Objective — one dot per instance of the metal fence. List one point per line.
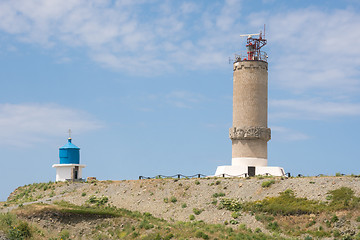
(199, 175)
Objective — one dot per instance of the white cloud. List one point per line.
(314, 109)
(310, 49)
(122, 34)
(188, 7)
(184, 99)
(286, 134)
(312, 58)
(227, 17)
(313, 47)
(27, 124)
(314, 50)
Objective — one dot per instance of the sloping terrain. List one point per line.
(312, 207)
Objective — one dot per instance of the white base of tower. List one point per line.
(244, 167)
(261, 162)
(68, 172)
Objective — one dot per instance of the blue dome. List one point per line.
(69, 153)
(69, 145)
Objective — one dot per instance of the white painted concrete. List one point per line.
(66, 171)
(242, 171)
(249, 161)
(274, 171)
(231, 171)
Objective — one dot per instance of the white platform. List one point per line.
(261, 162)
(240, 168)
(66, 172)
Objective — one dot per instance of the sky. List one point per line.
(146, 86)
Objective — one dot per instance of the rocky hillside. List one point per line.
(233, 202)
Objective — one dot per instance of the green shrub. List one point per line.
(197, 211)
(197, 182)
(166, 200)
(328, 223)
(235, 215)
(234, 222)
(311, 223)
(22, 231)
(7, 219)
(242, 226)
(184, 205)
(83, 194)
(343, 198)
(103, 200)
(64, 234)
(168, 237)
(358, 219)
(135, 234)
(98, 201)
(146, 225)
(215, 195)
(217, 182)
(285, 204)
(334, 219)
(147, 214)
(173, 199)
(267, 184)
(192, 217)
(336, 233)
(264, 218)
(273, 226)
(230, 204)
(92, 199)
(200, 234)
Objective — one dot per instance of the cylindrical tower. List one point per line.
(249, 133)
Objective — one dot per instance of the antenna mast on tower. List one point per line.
(253, 46)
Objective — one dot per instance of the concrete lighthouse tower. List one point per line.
(250, 133)
(69, 168)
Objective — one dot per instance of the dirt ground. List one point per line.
(176, 199)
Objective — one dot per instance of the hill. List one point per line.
(261, 208)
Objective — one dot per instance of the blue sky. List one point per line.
(146, 86)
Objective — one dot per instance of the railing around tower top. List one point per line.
(251, 56)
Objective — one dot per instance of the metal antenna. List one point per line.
(250, 35)
(69, 133)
